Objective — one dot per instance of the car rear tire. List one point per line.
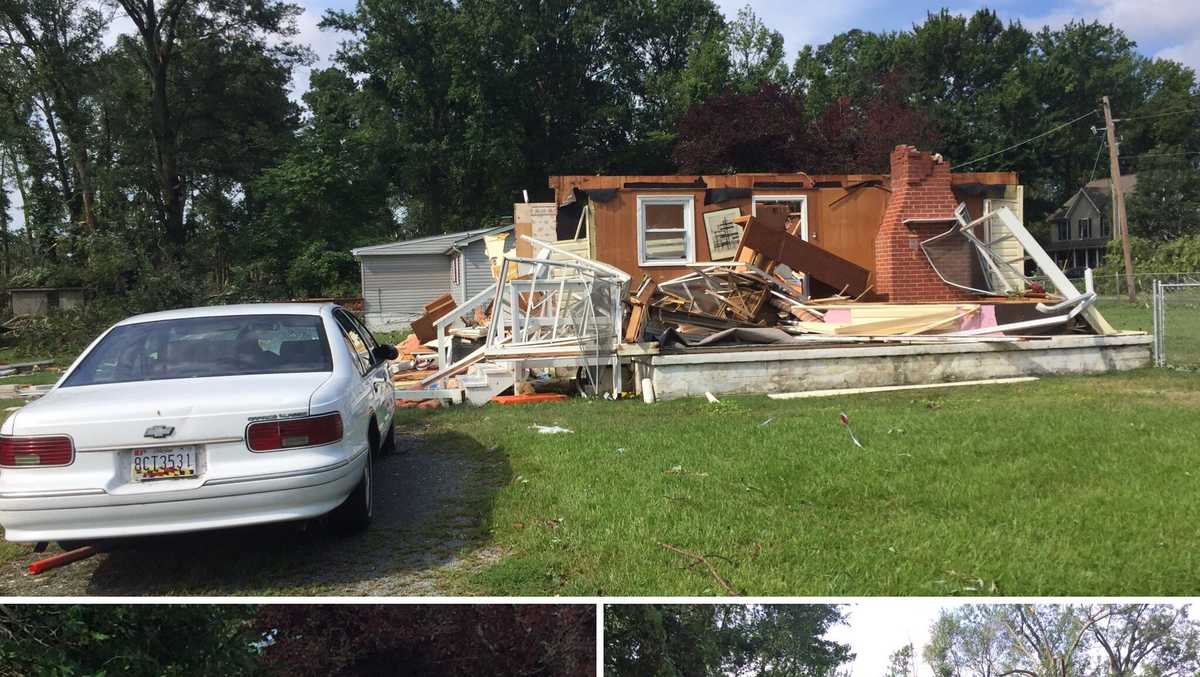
(354, 514)
(388, 446)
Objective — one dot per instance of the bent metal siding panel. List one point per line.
(396, 288)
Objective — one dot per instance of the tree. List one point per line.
(1048, 640)
(152, 639)
(967, 642)
(1165, 205)
(368, 640)
(56, 44)
(1158, 639)
(773, 640)
(756, 53)
(761, 131)
(161, 31)
(901, 663)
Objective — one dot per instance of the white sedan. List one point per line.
(199, 419)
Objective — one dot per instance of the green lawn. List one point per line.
(1183, 323)
(1079, 485)
(1065, 486)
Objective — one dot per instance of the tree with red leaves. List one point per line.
(768, 131)
(760, 131)
(857, 136)
(429, 640)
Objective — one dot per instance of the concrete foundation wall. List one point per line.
(797, 369)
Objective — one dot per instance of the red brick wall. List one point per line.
(920, 190)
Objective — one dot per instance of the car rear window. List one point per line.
(206, 346)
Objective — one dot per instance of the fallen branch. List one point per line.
(700, 559)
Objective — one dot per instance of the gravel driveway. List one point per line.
(432, 503)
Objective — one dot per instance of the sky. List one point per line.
(1162, 28)
(879, 627)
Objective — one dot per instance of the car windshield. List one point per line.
(206, 346)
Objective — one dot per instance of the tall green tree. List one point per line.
(160, 640)
(708, 640)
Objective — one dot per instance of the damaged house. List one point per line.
(767, 283)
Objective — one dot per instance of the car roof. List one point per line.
(227, 311)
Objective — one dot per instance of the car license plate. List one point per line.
(164, 463)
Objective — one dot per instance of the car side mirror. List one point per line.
(385, 352)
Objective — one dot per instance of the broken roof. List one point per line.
(434, 244)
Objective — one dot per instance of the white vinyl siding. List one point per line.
(396, 288)
(474, 273)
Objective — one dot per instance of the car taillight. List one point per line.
(297, 432)
(36, 452)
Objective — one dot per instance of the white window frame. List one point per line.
(767, 198)
(688, 202)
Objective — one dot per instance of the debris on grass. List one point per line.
(846, 424)
(550, 429)
(711, 398)
(678, 470)
(701, 559)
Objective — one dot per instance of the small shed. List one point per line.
(399, 278)
(39, 301)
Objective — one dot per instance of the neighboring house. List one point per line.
(1081, 228)
(399, 278)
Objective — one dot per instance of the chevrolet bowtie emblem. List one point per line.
(160, 431)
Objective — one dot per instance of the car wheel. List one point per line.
(354, 514)
(388, 446)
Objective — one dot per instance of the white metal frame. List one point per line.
(767, 198)
(688, 202)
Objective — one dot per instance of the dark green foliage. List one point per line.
(1166, 203)
(153, 640)
(700, 640)
(436, 114)
(530, 640)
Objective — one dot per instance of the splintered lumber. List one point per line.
(637, 317)
(905, 324)
(456, 368)
(434, 311)
(763, 240)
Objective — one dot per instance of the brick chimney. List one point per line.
(921, 195)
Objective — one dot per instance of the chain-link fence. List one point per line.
(1112, 283)
(1176, 310)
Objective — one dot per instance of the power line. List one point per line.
(1022, 143)
(1158, 115)
(1103, 143)
(1134, 157)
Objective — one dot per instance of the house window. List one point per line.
(1105, 227)
(666, 229)
(795, 204)
(1085, 229)
(1064, 230)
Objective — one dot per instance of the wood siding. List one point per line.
(841, 220)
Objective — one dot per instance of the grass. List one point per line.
(1066, 486)
(1182, 320)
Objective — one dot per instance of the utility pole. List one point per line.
(1114, 166)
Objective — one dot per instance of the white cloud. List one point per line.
(879, 627)
(323, 43)
(1165, 28)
